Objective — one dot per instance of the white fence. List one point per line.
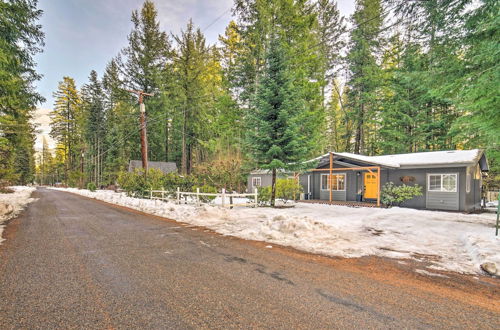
(226, 198)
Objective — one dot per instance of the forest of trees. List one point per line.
(288, 80)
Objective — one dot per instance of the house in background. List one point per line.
(165, 167)
(450, 180)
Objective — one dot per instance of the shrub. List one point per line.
(91, 186)
(264, 195)
(395, 195)
(208, 190)
(288, 189)
(136, 184)
(133, 183)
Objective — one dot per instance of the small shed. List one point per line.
(165, 167)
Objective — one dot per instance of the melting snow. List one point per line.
(17, 200)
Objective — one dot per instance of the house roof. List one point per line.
(418, 159)
(165, 167)
(265, 171)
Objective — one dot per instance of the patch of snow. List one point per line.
(442, 240)
(424, 272)
(492, 204)
(17, 201)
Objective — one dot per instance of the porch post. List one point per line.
(378, 186)
(330, 176)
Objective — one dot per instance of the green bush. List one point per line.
(208, 190)
(286, 190)
(136, 184)
(91, 186)
(264, 195)
(395, 195)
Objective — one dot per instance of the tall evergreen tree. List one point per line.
(275, 139)
(93, 106)
(67, 124)
(144, 65)
(190, 65)
(364, 69)
(21, 38)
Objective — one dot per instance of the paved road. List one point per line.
(72, 262)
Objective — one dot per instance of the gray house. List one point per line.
(165, 167)
(451, 180)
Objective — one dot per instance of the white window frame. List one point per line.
(328, 181)
(254, 179)
(441, 188)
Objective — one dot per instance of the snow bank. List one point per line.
(440, 240)
(16, 202)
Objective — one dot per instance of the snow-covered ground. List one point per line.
(441, 240)
(14, 202)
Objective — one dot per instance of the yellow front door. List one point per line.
(370, 185)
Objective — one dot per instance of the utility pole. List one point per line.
(144, 137)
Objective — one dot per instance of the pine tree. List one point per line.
(331, 28)
(365, 72)
(477, 85)
(67, 123)
(191, 61)
(121, 124)
(93, 107)
(274, 136)
(144, 64)
(20, 39)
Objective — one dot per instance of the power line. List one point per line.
(163, 116)
(215, 20)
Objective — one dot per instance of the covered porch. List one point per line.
(338, 180)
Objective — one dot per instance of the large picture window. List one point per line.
(443, 182)
(256, 181)
(338, 182)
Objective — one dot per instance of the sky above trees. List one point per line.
(82, 35)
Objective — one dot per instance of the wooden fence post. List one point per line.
(256, 197)
(151, 194)
(178, 195)
(198, 196)
(223, 197)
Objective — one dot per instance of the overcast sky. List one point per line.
(83, 35)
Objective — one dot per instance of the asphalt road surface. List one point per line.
(73, 262)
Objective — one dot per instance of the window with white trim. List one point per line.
(338, 182)
(442, 182)
(256, 181)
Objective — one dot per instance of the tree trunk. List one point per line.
(273, 188)
(184, 146)
(358, 140)
(166, 139)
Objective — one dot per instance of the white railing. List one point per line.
(226, 198)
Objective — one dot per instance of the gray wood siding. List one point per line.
(336, 195)
(438, 200)
(325, 194)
